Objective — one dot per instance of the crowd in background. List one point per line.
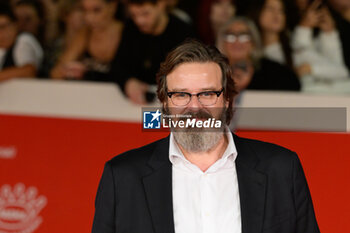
(270, 44)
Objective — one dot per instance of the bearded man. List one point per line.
(200, 180)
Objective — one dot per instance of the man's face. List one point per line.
(146, 16)
(194, 78)
(28, 19)
(8, 32)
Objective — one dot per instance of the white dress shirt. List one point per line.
(323, 53)
(205, 202)
(26, 51)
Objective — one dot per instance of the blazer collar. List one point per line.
(158, 188)
(251, 183)
(252, 187)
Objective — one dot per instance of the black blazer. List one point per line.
(135, 191)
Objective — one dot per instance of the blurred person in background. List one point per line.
(172, 8)
(20, 53)
(317, 46)
(93, 48)
(31, 18)
(212, 14)
(240, 41)
(271, 20)
(148, 36)
(71, 21)
(341, 13)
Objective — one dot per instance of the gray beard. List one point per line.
(199, 140)
(196, 141)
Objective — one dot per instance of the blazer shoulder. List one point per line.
(272, 159)
(266, 152)
(137, 156)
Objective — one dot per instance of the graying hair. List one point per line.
(256, 40)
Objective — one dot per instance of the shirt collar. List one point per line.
(230, 152)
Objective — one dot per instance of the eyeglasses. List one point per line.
(206, 98)
(242, 38)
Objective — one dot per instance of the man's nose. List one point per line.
(194, 103)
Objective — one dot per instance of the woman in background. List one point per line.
(317, 46)
(212, 14)
(20, 53)
(94, 47)
(70, 18)
(240, 41)
(270, 17)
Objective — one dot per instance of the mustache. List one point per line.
(198, 114)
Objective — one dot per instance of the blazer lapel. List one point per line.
(158, 188)
(252, 188)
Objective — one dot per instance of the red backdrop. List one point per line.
(63, 159)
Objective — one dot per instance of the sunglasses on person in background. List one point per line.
(240, 37)
(206, 98)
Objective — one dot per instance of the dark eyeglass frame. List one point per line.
(218, 93)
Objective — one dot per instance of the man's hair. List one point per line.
(140, 2)
(6, 10)
(194, 51)
(38, 6)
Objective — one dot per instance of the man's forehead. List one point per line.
(199, 75)
(196, 69)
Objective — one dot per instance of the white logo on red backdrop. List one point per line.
(8, 152)
(20, 208)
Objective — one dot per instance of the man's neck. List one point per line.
(205, 159)
(162, 24)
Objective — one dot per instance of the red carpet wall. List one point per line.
(50, 169)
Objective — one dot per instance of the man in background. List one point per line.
(147, 38)
(20, 53)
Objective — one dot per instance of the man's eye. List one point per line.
(207, 94)
(180, 95)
